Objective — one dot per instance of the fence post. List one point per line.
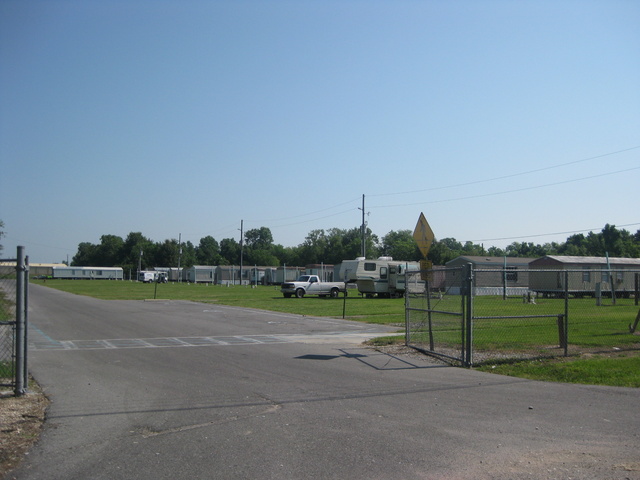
(566, 312)
(468, 321)
(429, 317)
(407, 319)
(26, 323)
(562, 333)
(20, 324)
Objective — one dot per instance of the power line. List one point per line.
(547, 234)
(475, 182)
(304, 214)
(507, 191)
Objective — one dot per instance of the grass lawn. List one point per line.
(619, 370)
(604, 328)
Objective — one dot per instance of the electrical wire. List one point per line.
(512, 175)
(547, 234)
(506, 191)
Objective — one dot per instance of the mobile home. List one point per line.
(288, 274)
(585, 276)
(201, 274)
(322, 270)
(495, 275)
(231, 275)
(87, 273)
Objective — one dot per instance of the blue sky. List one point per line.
(502, 121)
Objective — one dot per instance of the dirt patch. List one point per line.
(21, 421)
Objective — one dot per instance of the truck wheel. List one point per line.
(299, 293)
(287, 295)
(334, 293)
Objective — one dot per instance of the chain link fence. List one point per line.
(14, 281)
(475, 316)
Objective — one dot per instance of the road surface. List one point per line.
(177, 390)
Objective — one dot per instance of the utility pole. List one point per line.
(179, 256)
(363, 231)
(241, 248)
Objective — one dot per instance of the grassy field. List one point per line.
(384, 311)
(604, 328)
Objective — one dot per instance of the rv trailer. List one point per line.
(383, 277)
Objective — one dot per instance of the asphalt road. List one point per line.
(177, 390)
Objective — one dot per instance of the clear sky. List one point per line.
(501, 120)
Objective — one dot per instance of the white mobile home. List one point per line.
(269, 277)
(231, 275)
(288, 274)
(172, 274)
(87, 273)
(201, 274)
(322, 270)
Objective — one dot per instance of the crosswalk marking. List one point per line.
(162, 342)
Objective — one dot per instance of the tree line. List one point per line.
(331, 247)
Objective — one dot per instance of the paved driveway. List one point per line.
(154, 390)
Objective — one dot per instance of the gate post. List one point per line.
(20, 388)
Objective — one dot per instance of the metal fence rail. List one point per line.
(480, 317)
(13, 323)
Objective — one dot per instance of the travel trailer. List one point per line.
(383, 277)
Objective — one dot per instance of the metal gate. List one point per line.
(437, 313)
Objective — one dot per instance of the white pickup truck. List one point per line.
(311, 285)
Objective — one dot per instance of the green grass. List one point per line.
(380, 311)
(604, 328)
(619, 371)
(6, 371)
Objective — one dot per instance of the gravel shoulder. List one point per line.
(21, 422)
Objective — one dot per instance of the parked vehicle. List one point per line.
(389, 280)
(383, 277)
(148, 276)
(311, 285)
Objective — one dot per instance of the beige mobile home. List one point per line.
(494, 275)
(584, 276)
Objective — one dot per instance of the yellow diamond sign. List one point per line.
(423, 235)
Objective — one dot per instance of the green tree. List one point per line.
(444, 250)
(524, 249)
(258, 249)
(259, 239)
(230, 251)
(137, 249)
(85, 256)
(167, 254)
(401, 246)
(187, 254)
(313, 249)
(208, 251)
(109, 252)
